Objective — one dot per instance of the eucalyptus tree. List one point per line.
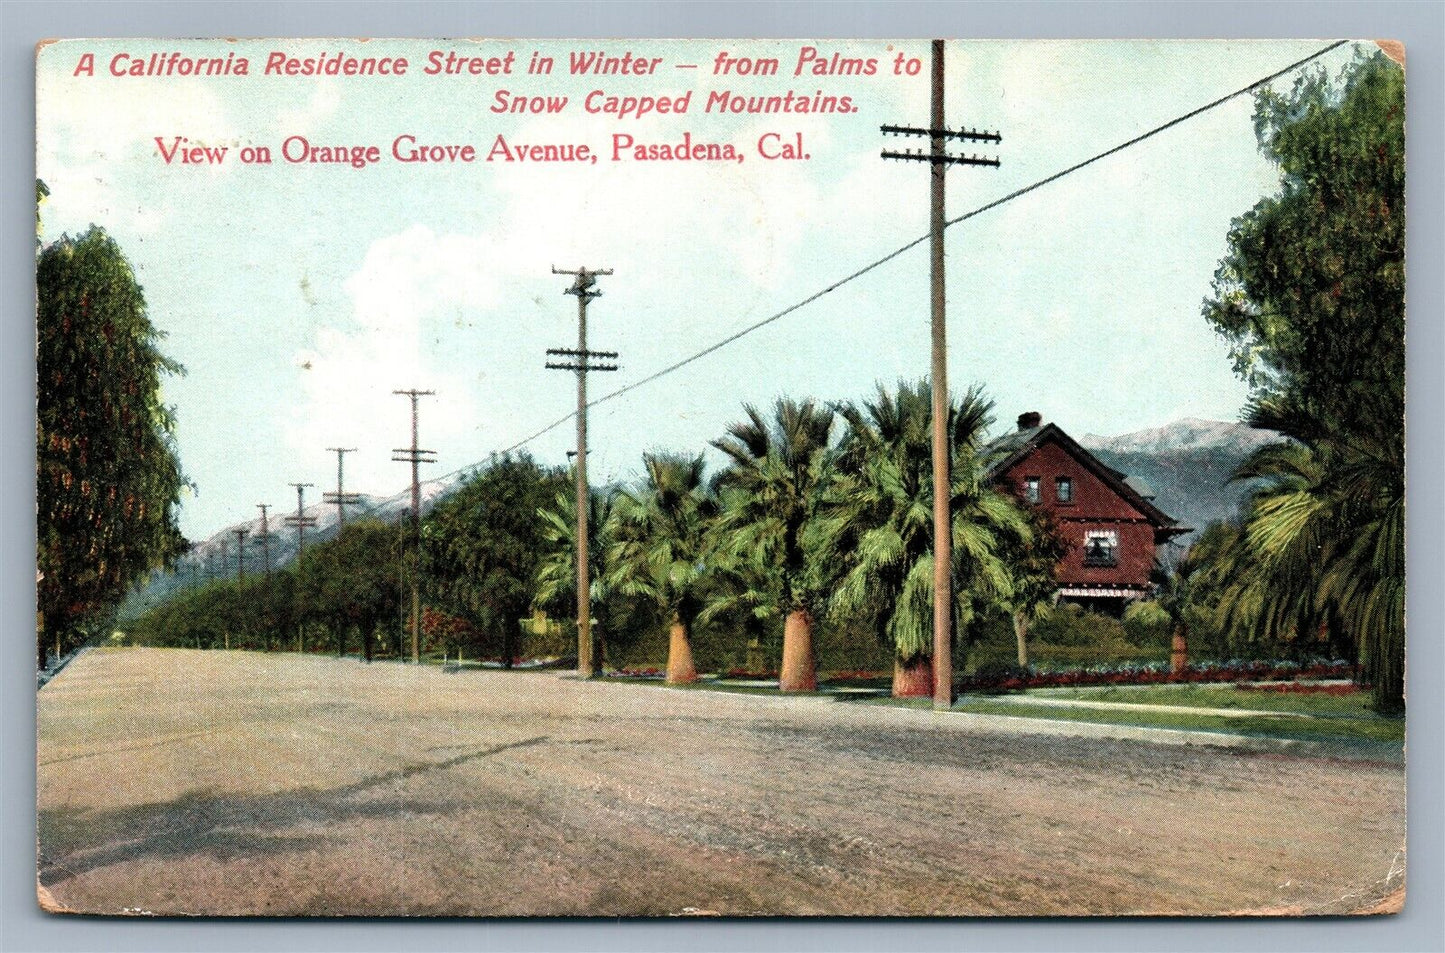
(660, 546)
(772, 492)
(879, 524)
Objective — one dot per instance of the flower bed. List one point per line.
(1011, 677)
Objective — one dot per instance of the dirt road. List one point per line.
(175, 781)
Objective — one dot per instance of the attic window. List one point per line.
(1064, 490)
(1101, 547)
(1031, 489)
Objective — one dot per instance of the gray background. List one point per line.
(1420, 25)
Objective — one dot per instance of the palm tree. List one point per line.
(744, 593)
(1327, 530)
(880, 524)
(556, 579)
(659, 546)
(773, 487)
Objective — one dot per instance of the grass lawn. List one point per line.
(1331, 717)
(1367, 727)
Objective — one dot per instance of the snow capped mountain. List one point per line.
(1191, 433)
(1188, 463)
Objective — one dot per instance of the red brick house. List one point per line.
(1107, 518)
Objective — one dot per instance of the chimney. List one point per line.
(1030, 420)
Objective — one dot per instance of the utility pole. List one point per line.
(300, 521)
(582, 361)
(265, 539)
(341, 498)
(416, 457)
(241, 535)
(939, 159)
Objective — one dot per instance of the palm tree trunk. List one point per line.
(913, 679)
(680, 670)
(1021, 633)
(800, 668)
(1179, 652)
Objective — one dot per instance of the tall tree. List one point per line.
(1311, 298)
(483, 545)
(108, 476)
(660, 548)
(880, 526)
(773, 489)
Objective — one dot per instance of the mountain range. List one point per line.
(1188, 463)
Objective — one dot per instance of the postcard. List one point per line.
(635, 478)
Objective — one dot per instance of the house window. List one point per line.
(1101, 547)
(1064, 490)
(1031, 489)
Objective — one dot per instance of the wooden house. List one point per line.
(1107, 518)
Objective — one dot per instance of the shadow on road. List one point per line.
(229, 825)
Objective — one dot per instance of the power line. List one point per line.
(879, 262)
(875, 264)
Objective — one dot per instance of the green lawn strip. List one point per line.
(1368, 727)
(1371, 728)
(1353, 705)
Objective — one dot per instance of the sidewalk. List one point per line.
(1140, 706)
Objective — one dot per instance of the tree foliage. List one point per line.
(1311, 298)
(107, 473)
(880, 525)
(771, 494)
(345, 586)
(483, 546)
(659, 552)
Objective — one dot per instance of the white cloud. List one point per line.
(407, 286)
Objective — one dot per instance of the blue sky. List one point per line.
(299, 296)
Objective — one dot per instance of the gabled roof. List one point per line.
(1013, 447)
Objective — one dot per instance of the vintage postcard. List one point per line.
(720, 477)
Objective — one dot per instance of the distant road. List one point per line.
(177, 781)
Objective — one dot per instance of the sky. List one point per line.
(298, 296)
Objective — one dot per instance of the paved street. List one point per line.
(175, 781)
